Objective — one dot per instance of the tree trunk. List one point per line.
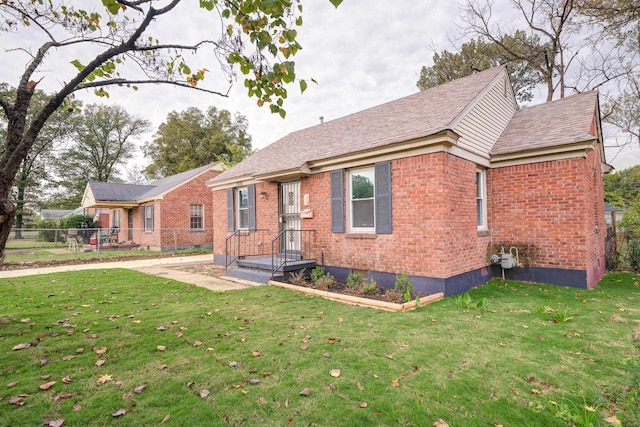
(7, 215)
(19, 212)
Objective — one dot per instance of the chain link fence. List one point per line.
(111, 239)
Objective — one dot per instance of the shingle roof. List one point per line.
(54, 213)
(610, 208)
(415, 116)
(560, 122)
(116, 192)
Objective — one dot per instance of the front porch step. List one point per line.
(264, 264)
(258, 276)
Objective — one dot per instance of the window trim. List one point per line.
(115, 218)
(239, 209)
(145, 226)
(350, 227)
(481, 199)
(199, 215)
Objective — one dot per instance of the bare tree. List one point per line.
(550, 26)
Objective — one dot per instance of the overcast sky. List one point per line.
(362, 54)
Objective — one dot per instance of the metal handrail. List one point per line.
(281, 254)
(242, 243)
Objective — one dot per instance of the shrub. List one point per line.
(298, 278)
(354, 280)
(404, 286)
(324, 283)
(369, 288)
(317, 273)
(47, 231)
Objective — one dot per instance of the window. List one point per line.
(481, 199)
(196, 217)
(147, 217)
(362, 200)
(115, 219)
(368, 200)
(243, 208)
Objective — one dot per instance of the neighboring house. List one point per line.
(171, 213)
(612, 214)
(431, 185)
(54, 214)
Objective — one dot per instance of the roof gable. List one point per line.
(561, 122)
(119, 192)
(416, 116)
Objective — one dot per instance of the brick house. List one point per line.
(172, 213)
(430, 185)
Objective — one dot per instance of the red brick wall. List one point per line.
(172, 213)
(267, 215)
(553, 211)
(434, 221)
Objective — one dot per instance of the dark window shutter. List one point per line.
(383, 198)
(143, 209)
(230, 219)
(337, 201)
(251, 193)
(152, 218)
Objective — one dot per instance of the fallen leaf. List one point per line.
(326, 355)
(161, 348)
(79, 350)
(44, 361)
(335, 373)
(99, 363)
(165, 419)
(47, 386)
(210, 349)
(17, 400)
(305, 392)
(613, 420)
(45, 377)
(332, 340)
(120, 412)
(362, 404)
(395, 382)
(94, 336)
(100, 351)
(67, 380)
(77, 407)
(440, 423)
(57, 422)
(104, 378)
(254, 381)
(68, 357)
(389, 356)
(139, 389)
(535, 391)
(304, 347)
(204, 394)
(197, 343)
(12, 384)
(340, 320)
(256, 353)
(22, 346)
(161, 328)
(161, 367)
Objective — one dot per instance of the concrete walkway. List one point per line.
(153, 266)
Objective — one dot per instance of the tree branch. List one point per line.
(124, 82)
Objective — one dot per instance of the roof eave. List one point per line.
(557, 152)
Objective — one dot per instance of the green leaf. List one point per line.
(112, 6)
(336, 3)
(303, 86)
(77, 64)
(135, 87)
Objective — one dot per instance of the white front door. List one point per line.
(290, 215)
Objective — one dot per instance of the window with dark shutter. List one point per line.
(252, 207)
(337, 201)
(230, 216)
(384, 218)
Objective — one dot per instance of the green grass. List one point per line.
(504, 364)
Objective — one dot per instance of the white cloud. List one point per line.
(362, 54)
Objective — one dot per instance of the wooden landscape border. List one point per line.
(359, 301)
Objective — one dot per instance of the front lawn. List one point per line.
(118, 347)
